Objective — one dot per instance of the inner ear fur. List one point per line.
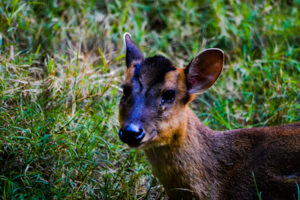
(204, 70)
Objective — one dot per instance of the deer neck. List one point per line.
(187, 165)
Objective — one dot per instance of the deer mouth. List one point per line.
(147, 140)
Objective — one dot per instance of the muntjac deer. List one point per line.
(191, 160)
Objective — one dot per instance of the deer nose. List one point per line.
(132, 134)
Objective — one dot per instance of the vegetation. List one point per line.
(60, 67)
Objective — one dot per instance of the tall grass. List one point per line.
(60, 67)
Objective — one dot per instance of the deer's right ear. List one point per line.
(133, 53)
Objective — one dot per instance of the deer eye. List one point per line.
(168, 96)
(126, 91)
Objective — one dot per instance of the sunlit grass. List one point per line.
(60, 67)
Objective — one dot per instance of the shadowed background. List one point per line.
(61, 64)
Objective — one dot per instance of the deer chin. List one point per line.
(157, 140)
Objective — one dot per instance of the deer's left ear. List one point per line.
(204, 70)
(133, 53)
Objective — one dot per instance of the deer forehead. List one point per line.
(152, 71)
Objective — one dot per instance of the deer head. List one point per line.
(156, 93)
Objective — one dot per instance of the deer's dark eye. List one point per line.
(168, 96)
(126, 91)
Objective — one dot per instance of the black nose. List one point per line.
(132, 134)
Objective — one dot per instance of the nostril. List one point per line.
(121, 134)
(141, 134)
(132, 134)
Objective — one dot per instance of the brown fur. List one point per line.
(220, 165)
(193, 161)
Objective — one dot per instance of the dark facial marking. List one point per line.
(137, 69)
(126, 90)
(158, 66)
(153, 70)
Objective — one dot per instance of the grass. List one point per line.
(298, 189)
(256, 187)
(61, 63)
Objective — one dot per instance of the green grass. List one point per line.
(61, 64)
(256, 187)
